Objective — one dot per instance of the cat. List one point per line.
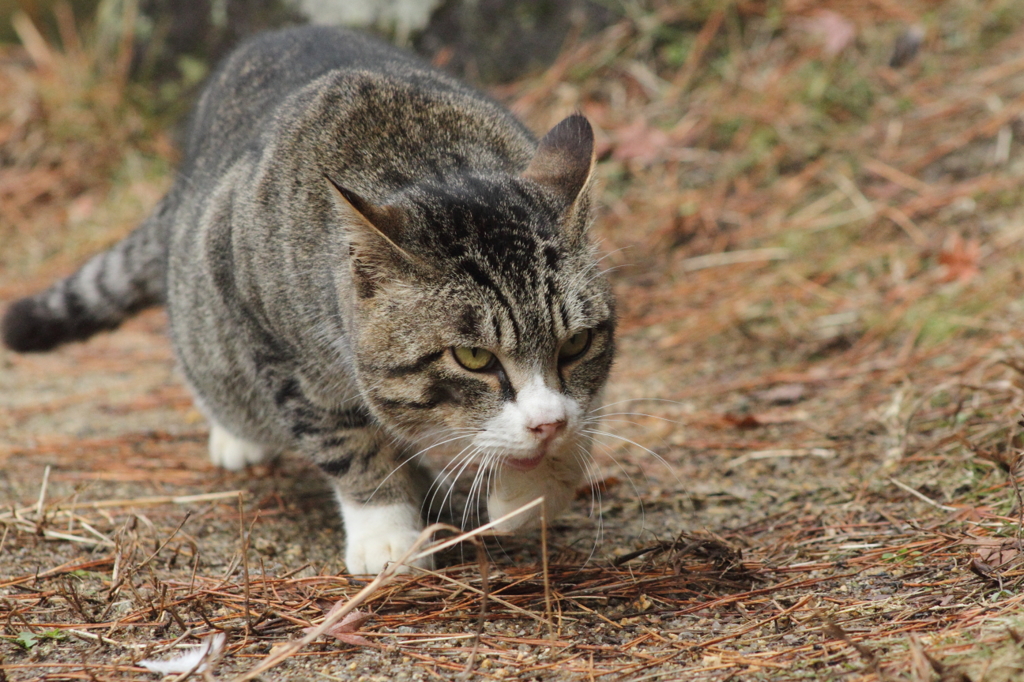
(364, 259)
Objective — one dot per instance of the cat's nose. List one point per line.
(547, 431)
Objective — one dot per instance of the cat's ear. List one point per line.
(565, 159)
(374, 234)
(386, 222)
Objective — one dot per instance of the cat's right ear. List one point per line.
(374, 233)
(384, 222)
(564, 160)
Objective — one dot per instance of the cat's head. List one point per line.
(482, 315)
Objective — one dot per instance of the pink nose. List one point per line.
(547, 431)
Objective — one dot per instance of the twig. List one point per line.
(921, 496)
(243, 541)
(387, 575)
(135, 569)
(716, 260)
(481, 557)
(32, 41)
(139, 502)
(548, 613)
(42, 495)
(831, 629)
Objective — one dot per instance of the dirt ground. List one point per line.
(812, 460)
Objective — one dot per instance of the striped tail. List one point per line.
(110, 287)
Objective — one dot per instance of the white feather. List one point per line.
(210, 647)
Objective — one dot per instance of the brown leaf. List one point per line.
(999, 554)
(744, 422)
(959, 259)
(349, 625)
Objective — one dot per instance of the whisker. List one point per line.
(638, 400)
(598, 418)
(468, 459)
(632, 484)
(443, 476)
(654, 454)
(411, 458)
(473, 498)
(583, 457)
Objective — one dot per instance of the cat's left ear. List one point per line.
(564, 160)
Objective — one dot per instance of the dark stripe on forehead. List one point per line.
(469, 324)
(414, 367)
(551, 300)
(481, 278)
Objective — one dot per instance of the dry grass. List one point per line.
(818, 266)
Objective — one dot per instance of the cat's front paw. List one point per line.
(378, 535)
(233, 453)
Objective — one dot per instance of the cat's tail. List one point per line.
(110, 287)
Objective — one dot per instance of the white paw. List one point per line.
(233, 453)
(555, 481)
(378, 535)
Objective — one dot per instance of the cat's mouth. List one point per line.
(525, 463)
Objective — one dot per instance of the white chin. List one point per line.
(556, 480)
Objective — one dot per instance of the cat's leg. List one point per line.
(380, 500)
(379, 493)
(234, 453)
(556, 479)
(376, 535)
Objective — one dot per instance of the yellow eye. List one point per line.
(474, 359)
(575, 346)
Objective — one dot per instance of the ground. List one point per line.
(812, 463)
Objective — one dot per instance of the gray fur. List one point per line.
(344, 216)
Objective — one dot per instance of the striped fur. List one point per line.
(344, 218)
(110, 287)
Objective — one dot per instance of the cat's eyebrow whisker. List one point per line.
(610, 254)
(594, 267)
(596, 296)
(603, 273)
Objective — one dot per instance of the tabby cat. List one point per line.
(363, 260)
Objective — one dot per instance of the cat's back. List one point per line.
(365, 83)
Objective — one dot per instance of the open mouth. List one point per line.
(524, 464)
